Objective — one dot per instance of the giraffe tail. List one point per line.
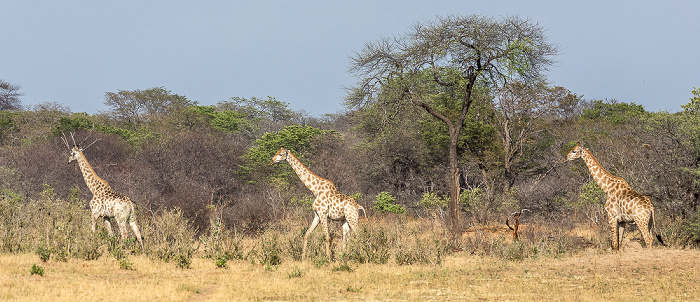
(359, 207)
(658, 236)
(131, 219)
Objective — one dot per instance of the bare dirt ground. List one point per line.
(635, 274)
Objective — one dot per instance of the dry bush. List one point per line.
(188, 170)
(370, 244)
(422, 244)
(538, 238)
(169, 236)
(223, 244)
(31, 166)
(334, 159)
(251, 216)
(49, 225)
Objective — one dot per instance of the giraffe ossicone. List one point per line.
(105, 202)
(623, 205)
(330, 204)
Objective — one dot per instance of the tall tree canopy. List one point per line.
(141, 106)
(436, 66)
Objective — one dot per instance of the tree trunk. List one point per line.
(456, 227)
(507, 177)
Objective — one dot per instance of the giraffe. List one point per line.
(330, 204)
(624, 205)
(105, 203)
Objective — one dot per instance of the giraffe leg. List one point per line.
(350, 225)
(324, 225)
(108, 225)
(313, 225)
(135, 229)
(646, 231)
(620, 233)
(93, 222)
(346, 233)
(613, 237)
(123, 233)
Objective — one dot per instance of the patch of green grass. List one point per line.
(221, 262)
(295, 273)
(36, 270)
(44, 253)
(342, 267)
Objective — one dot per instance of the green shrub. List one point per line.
(62, 256)
(47, 225)
(90, 251)
(126, 264)
(221, 262)
(222, 244)
(295, 244)
(12, 221)
(36, 270)
(183, 259)
(432, 201)
(44, 253)
(690, 230)
(385, 203)
(315, 250)
(320, 262)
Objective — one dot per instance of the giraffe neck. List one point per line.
(312, 181)
(93, 182)
(601, 176)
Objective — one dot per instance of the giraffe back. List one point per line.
(629, 205)
(111, 204)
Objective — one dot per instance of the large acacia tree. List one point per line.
(436, 66)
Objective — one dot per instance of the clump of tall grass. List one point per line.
(535, 242)
(268, 252)
(422, 248)
(369, 244)
(221, 244)
(57, 226)
(315, 250)
(170, 237)
(59, 229)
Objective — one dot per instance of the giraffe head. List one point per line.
(281, 155)
(76, 150)
(576, 152)
(74, 154)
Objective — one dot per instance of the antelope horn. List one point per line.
(508, 219)
(91, 144)
(88, 136)
(65, 141)
(73, 138)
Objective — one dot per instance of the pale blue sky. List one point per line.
(72, 52)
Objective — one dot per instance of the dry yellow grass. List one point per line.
(636, 274)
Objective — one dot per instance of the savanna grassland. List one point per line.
(638, 274)
(431, 151)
